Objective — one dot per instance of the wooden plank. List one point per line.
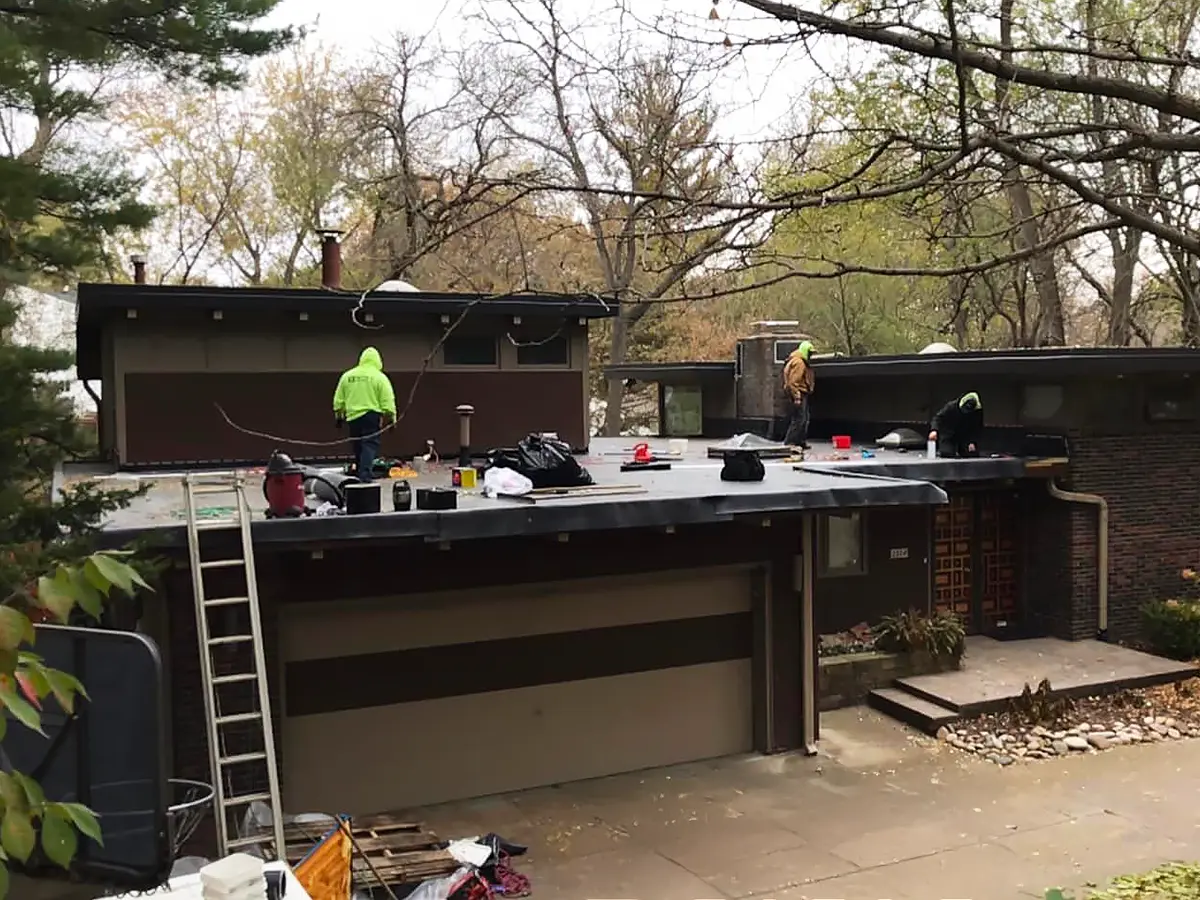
(384, 820)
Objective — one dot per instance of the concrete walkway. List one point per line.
(882, 813)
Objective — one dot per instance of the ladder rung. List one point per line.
(226, 601)
(238, 717)
(202, 490)
(231, 639)
(241, 758)
(215, 524)
(234, 843)
(247, 799)
(234, 679)
(222, 563)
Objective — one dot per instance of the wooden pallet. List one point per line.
(387, 850)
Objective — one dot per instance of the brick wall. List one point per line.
(1046, 563)
(1153, 495)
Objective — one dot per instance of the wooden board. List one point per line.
(383, 848)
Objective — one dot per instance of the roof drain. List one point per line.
(1101, 546)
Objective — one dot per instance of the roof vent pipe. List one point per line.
(139, 268)
(331, 258)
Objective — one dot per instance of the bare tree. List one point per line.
(629, 133)
(431, 164)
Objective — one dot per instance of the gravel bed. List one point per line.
(1091, 725)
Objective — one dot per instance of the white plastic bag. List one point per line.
(499, 480)
(441, 888)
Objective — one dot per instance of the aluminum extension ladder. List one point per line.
(237, 706)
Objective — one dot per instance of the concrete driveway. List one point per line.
(881, 813)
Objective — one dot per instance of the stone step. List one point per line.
(912, 710)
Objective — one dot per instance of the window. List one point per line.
(683, 410)
(1041, 402)
(842, 544)
(469, 351)
(1170, 402)
(784, 349)
(738, 359)
(554, 350)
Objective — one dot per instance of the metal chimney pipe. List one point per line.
(331, 258)
(139, 268)
(465, 411)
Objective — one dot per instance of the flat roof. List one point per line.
(690, 493)
(684, 371)
(1017, 363)
(99, 302)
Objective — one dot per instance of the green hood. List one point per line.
(965, 398)
(805, 349)
(371, 359)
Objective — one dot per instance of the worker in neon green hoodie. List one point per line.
(366, 400)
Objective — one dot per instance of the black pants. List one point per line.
(365, 431)
(797, 430)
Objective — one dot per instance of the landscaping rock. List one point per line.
(1168, 712)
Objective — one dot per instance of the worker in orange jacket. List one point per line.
(798, 384)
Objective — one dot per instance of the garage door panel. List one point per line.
(397, 706)
(345, 628)
(413, 754)
(318, 686)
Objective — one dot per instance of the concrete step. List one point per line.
(912, 710)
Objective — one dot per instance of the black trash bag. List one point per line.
(547, 462)
(743, 465)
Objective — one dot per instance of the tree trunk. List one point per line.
(1051, 328)
(1125, 258)
(615, 396)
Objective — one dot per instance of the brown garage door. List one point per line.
(406, 701)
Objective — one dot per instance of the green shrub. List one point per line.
(1172, 628)
(940, 635)
(1174, 881)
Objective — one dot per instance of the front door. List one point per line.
(975, 547)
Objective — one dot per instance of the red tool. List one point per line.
(283, 486)
(642, 454)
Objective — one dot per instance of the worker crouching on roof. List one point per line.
(958, 426)
(798, 383)
(366, 400)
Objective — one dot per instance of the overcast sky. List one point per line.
(759, 89)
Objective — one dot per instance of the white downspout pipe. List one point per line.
(808, 652)
(1101, 544)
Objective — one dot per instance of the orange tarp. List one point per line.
(325, 872)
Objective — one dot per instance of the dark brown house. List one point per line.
(1016, 550)
(168, 359)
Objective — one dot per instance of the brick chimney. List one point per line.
(139, 268)
(331, 258)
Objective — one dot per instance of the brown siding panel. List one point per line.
(433, 673)
(172, 418)
(889, 585)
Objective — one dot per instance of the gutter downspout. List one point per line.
(808, 651)
(1101, 545)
